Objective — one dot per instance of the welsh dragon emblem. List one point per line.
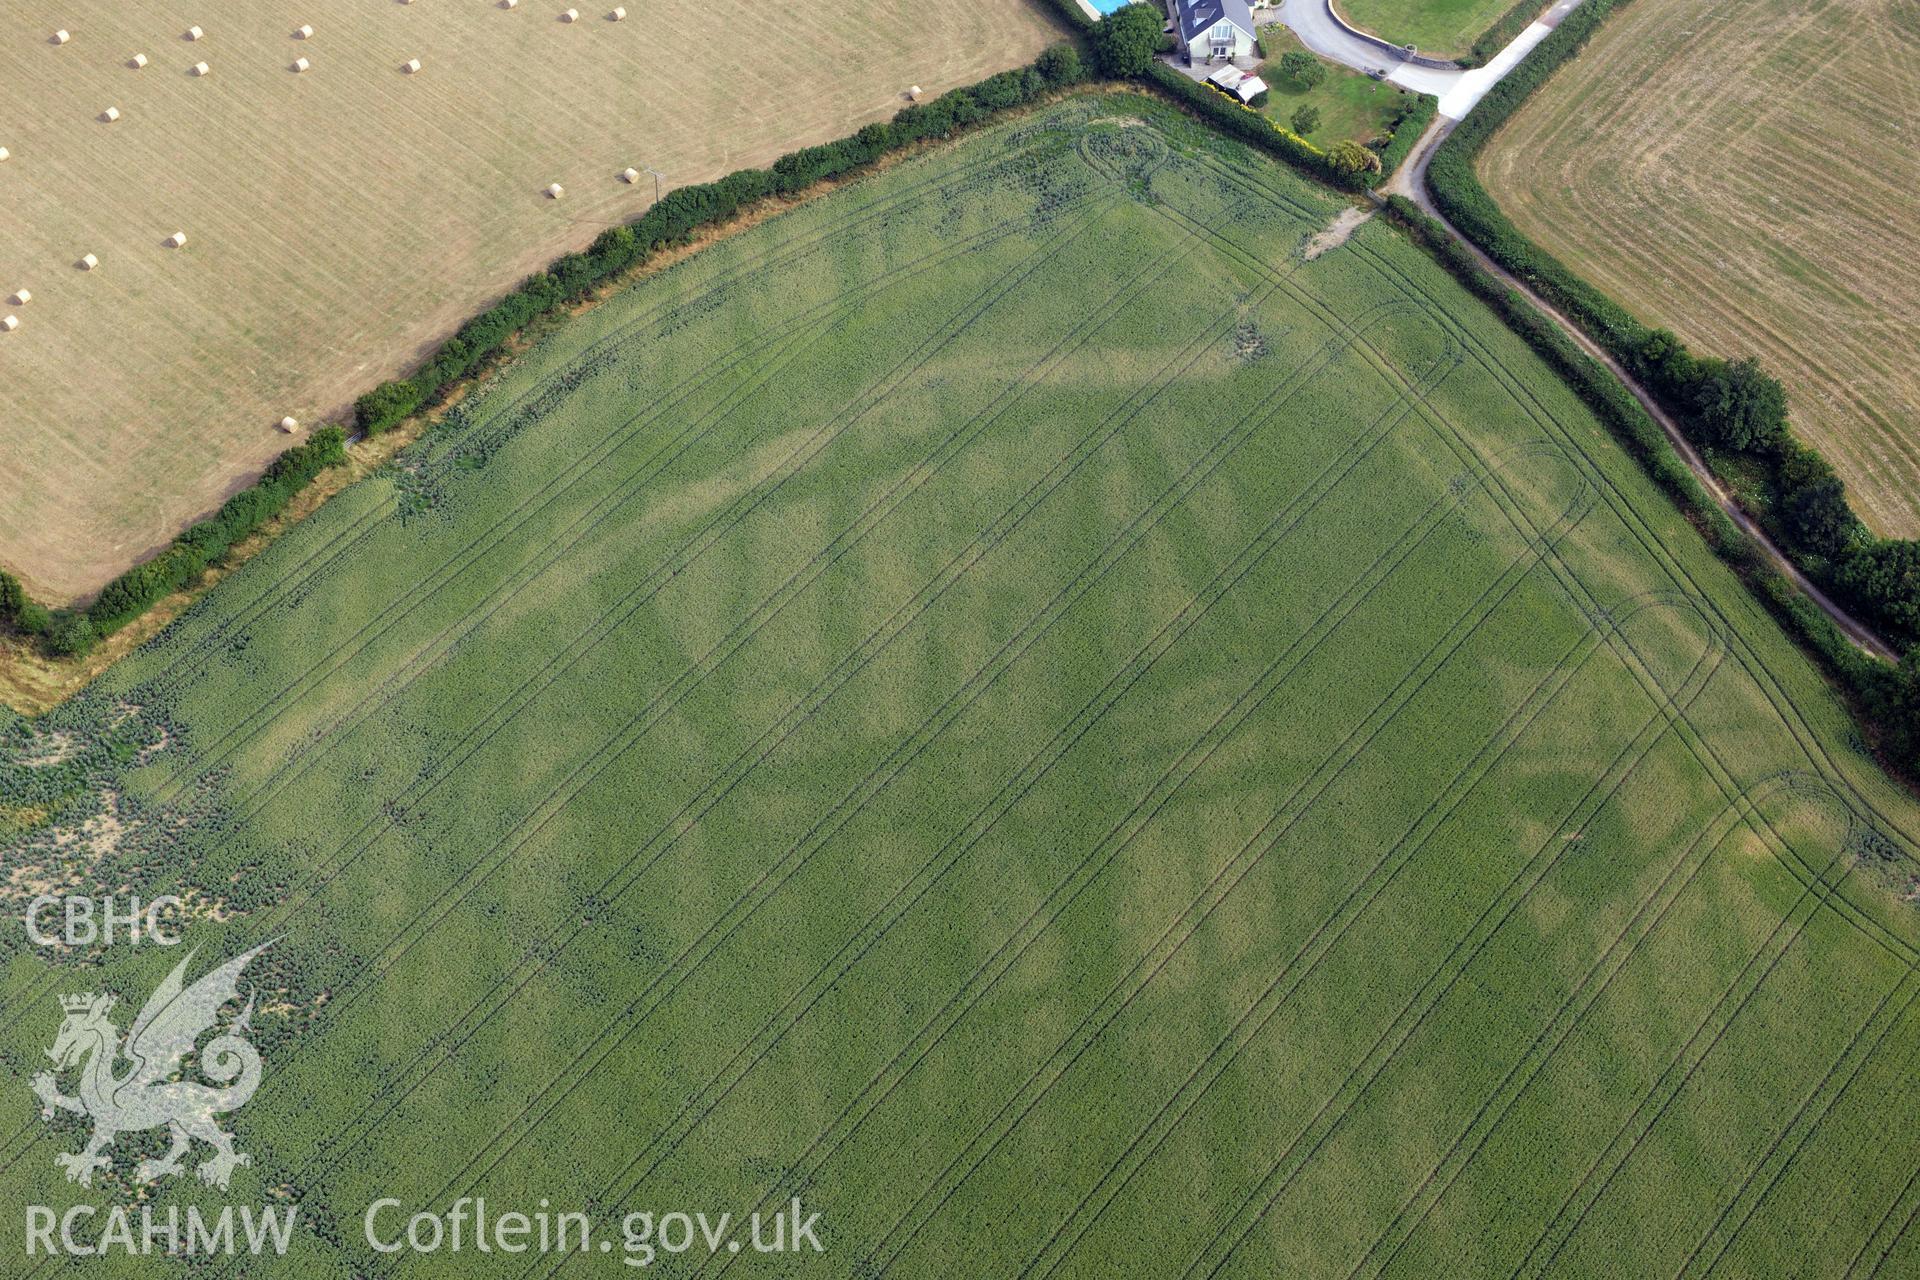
(147, 1095)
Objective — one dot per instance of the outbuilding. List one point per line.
(1232, 80)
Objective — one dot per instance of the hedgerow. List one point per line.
(1501, 34)
(1732, 409)
(670, 222)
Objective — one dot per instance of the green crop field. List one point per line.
(1008, 705)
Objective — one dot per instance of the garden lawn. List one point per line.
(1353, 107)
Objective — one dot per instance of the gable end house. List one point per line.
(1214, 30)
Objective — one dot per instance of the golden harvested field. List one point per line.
(341, 220)
(1745, 173)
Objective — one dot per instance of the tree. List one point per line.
(1350, 159)
(1819, 518)
(1059, 65)
(1305, 120)
(1302, 68)
(1125, 41)
(1885, 579)
(12, 597)
(71, 635)
(1738, 406)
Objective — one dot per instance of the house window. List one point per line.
(1221, 38)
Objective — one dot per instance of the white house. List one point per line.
(1214, 30)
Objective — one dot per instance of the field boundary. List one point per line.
(731, 203)
(1654, 364)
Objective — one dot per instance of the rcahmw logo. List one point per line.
(79, 922)
(149, 1095)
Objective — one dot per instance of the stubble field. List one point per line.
(341, 220)
(1744, 173)
(1008, 705)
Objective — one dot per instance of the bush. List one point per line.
(1884, 580)
(1737, 406)
(1305, 120)
(1303, 68)
(70, 635)
(1059, 66)
(1126, 40)
(1350, 159)
(12, 598)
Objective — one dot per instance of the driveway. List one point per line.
(1459, 90)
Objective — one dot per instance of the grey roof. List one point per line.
(1196, 17)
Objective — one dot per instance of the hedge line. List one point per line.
(1502, 32)
(669, 222)
(72, 632)
(1732, 409)
(1887, 698)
